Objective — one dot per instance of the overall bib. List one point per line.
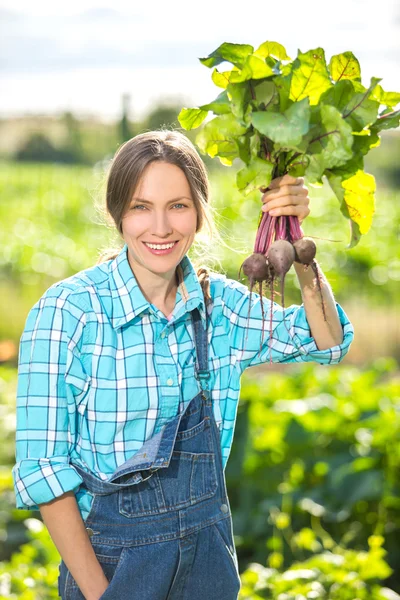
(161, 526)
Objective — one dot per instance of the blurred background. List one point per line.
(313, 473)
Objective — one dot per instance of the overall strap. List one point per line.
(201, 343)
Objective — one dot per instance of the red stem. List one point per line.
(276, 228)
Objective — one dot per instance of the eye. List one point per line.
(143, 206)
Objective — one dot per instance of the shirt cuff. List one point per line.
(39, 480)
(302, 339)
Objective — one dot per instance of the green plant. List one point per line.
(279, 116)
(334, 574)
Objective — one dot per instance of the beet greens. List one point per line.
(303, 117)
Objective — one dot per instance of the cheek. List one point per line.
(187, 224)
(131, 226)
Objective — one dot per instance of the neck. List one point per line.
(158, 288)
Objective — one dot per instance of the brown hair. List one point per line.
(127, 167)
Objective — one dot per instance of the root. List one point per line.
(283, 304)
(314, 267)
(262, 314)
(270, 320)
(240, 268)
(248, 314)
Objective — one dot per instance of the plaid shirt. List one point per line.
(101, 370)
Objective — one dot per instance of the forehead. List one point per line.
(163, 179)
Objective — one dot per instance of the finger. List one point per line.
(298, 210)
(282, 180)
(285, 191)
(286, 200)
(285, 180)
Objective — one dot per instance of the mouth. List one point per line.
(161, 251)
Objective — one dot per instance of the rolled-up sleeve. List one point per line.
(291, 339)
(51, 379)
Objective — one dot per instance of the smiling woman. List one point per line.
(125, 418)
(159, 232)
(149, 174)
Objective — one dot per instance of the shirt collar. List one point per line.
(129, 302)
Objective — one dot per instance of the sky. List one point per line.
(84, 55)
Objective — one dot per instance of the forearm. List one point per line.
(67, 530)
(327, 333)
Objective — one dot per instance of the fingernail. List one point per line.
(273, 212)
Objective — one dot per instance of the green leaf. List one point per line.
(360, 111)
(333, 145)
(266, 94)
(339, 95)
(287, 128)
(222, 78)
(247, 116)
(254, 175)
(298, 168)
(272, 49)
(389, 99)
(254, 68)
(243, 143)
(390, 120)
(283, 83)
(349, 168)
(255, 145)
(239, 95)
(362, 144)
(217, 138)
(190, 118)
(220, 105)
(345, 66)
(309, 76)
(233, 53)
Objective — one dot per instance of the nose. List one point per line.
(160, 225)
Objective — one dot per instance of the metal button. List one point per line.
(90, 531)
(170, 381)
(224, 508)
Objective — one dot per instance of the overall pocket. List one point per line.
(190, 477)
(109, 558)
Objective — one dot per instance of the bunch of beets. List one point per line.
(279, 243)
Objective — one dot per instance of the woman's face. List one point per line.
(161, 211)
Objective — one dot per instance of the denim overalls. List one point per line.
(161, 525)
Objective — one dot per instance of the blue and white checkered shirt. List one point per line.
(101, 370)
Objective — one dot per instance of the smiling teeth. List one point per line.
(159, 247)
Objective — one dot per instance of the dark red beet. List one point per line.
(280, 256)
(305, 250)
(255, 267)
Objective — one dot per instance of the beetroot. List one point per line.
(280, 256)
(305, 250)
(255, 267)
(279, 242)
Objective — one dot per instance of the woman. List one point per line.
(129, 379)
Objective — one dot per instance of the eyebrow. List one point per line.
(169, 201)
